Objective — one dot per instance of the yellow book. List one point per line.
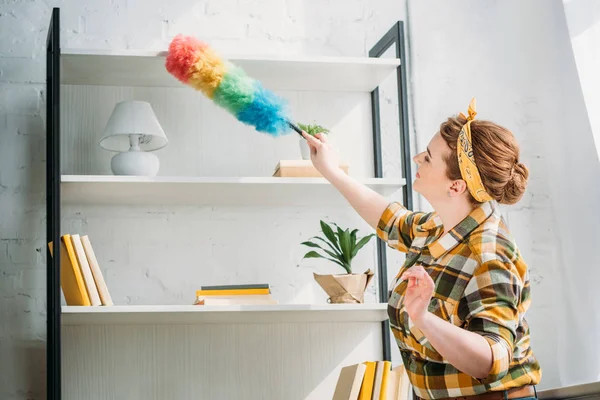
(71, 279)
(366, 389)
(387, 365)
(231, 292)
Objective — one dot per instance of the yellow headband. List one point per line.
(466, 161)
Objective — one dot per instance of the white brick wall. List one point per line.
(239, 27)
(441, 85)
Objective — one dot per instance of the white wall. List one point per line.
(516, 59)
(583, 21)
(513, 56)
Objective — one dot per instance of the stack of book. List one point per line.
(81, 279)
(234, 294)
(372, 380)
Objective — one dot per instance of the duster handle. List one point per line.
(294, 127)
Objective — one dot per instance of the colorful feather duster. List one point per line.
(196, 64)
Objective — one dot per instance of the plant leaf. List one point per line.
(312, 129)
(314, 254)
(353, 236)
(329, 234)
(346, 246)
(353, 242)
(340, 235)
(310, 244)
(339, 230)
(361, 243)
(334, 255)
(335, 250)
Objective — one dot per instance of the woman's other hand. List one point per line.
(322, 154)
(419, 292)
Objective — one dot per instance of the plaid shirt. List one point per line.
(481, 285)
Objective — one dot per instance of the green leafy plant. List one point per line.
(342, 245)
(313, 129)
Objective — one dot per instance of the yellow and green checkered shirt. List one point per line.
(481, 285)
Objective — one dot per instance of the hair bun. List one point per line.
(516, 185)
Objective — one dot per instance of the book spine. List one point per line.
(236, 287)
(231, 292)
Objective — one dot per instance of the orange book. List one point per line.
(71, 279)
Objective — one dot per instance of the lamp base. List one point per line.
(137, 163)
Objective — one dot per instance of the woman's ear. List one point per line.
(457, 188)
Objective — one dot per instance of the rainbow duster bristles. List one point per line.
(196, 64)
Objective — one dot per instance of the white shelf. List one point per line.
(237, 314)
(116, 190)
(147, 68)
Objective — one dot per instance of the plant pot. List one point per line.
(345, 288)
(304, 149)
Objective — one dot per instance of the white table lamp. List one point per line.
(133, 130)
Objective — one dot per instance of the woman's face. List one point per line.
(431, 180)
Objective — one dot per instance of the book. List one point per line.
(349, 382)
(96, 272)
(248, 293)
(379, 367)
(232, 292)
(234, 300)
(71, 278)
(86, 271)
(404, 387)
(392, 384)
(234, 287)
(300, 169)
(366, 390)
(385, 380)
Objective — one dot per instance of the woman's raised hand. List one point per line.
(322, 154)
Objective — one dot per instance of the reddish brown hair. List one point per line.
(496, 154)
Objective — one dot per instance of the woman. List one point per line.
(457, 305)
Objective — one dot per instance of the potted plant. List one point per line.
(311, 129)
(340, 247)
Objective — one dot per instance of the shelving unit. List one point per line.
(108, 189)
(92, 67)
(116, 68)
(243, 314)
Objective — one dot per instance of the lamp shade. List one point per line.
(137, 118)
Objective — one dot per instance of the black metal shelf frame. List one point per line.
(395, 36)
(53, 315)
